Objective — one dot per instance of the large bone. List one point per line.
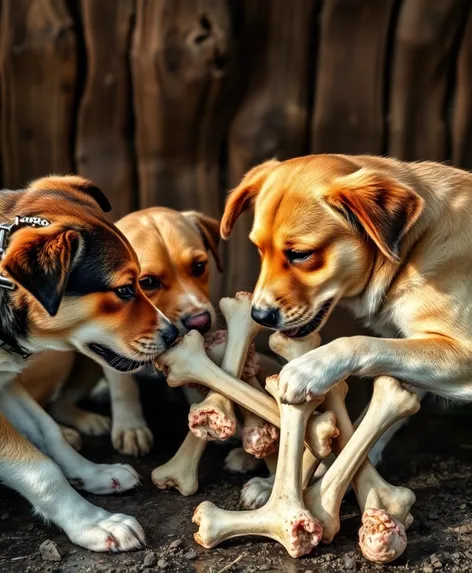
(214, 417)
(371, 490)
(284, 517)
(187, 362)
(181, 471)
(390, 402)
(256, 491)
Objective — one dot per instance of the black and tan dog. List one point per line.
(69, 280)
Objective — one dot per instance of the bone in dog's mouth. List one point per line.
(311, 325)
(115, 360)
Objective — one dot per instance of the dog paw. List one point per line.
(238, 461)
(103, 479)
(72, 437)
(92, 424)
(132, 442)
(107, 532)
(256, 492)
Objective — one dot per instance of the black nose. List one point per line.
(170, 335)
(200, 322)
(265, 316)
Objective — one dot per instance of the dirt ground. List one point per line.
(432, 456)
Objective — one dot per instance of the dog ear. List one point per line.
(40, 260)
(242, 197)
(209, 229)
(383, 207)
(89, 188)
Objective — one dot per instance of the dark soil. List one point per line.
(432, 456)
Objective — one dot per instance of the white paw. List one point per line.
(103, 479)
(132, 442)
(240, 462)
(107, 532)
(72, 437)
(92, 424)
(256, 492)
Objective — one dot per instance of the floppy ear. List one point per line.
(243, 196)
(40, 260)
(209, 229)
(383, 207)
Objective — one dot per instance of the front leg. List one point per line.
(130, 433)
(433, 364)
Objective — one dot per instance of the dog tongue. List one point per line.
(292, 332)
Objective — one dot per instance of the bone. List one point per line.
(187, 362)
(284, 517)
(260, 438)
(382, 538)
(214, 417)
(181, 471)
(390, 402)
(371, 490)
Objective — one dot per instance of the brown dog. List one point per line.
(69, 279)
(392, 241)
(173, 249)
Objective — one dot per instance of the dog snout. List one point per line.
(200, 322)
(169, 334)
(266, 316)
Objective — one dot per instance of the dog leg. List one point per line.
(41, 482)
(32, 421)
(83, 377)
(130, 433)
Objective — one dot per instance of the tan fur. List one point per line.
(392, 241)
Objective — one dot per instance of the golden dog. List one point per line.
(69, 279)
(391, 241)
(173, 249)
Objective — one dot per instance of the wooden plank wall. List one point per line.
(169, 102)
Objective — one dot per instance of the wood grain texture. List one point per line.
(103, 149)
(349, 113)
(38, 69)
(424, 59)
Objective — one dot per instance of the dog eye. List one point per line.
(126, 292)
(150, 283)
(298, 256)
(198, 268)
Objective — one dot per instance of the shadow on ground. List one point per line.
(432, 456)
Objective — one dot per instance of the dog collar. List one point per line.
(5, 232)
(8, 343)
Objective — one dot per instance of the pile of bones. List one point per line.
(292, 439)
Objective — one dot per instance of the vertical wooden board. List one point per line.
(273, 117)
(103, 149)
(462, 111)
(424, 57)
(350, 79)
(180, 59)
(38, 75)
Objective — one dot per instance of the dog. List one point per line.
(173, 249)
(389, 240)
(69, 280)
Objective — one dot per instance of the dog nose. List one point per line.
(200, 322)
(170, 335)
(265, 316)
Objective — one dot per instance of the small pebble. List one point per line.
(49, 551)
(349, 562)
(264, 567)
(428, 569)
(162, 564)
(190, 555)
(30, 527)
(150, 559)
(175, 544)
(463, 506)
(309, 571)
(329, 557)
(5, 515)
